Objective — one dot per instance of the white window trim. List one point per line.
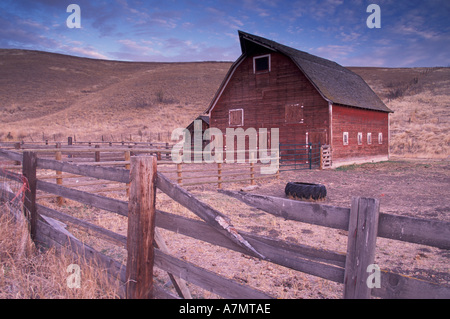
(380, 138)
(360, 137)
(259, 57)
(345, 137)
(242, 118)
(369, 138)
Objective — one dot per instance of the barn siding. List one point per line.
(354, 120)
(263, 98)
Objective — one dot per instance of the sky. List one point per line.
(410, 34)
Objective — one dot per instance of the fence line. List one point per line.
(362, 219)
(115, 155)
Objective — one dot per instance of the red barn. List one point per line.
(308, 98)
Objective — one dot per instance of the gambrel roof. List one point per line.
(335, 83)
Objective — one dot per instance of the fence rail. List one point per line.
(119, 156)
(362, 221)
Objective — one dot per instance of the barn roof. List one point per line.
(204, 118)
(335, 83)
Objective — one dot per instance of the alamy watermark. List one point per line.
(74, 20)
(374, 19)
(74, 279)
(190, 148)
(374, 279)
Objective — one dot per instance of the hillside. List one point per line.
(55, 96)
(58, 95)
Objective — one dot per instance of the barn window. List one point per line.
(380, 138)
(261, 64)
(293, 113)
(236, 117)
(369, 138)
(359, 138)
(345, 138)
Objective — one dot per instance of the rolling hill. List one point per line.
(59, 95)
(52, 96)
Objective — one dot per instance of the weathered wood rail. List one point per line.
(118, 155)
(363, 221)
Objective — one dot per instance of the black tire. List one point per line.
(305, 190)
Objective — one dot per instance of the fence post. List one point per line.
(179, 172)
(59, 181)
(29, 171)
(362, 236)
(127, 166)
(219, 171)
(17, 147)
(219, 175)
(321, 157)
(310, 155)
(141, 227)
(252, 168)
(278, 163)
(70, 143)
(97, 154)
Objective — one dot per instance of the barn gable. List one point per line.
(336, 84)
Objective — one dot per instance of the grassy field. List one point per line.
(52, 96)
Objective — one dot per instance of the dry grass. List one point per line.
(28, 272)
(41, 274)
(417, 132)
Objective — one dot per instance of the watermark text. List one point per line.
(189, 147)
(374, 19)
(74, 20)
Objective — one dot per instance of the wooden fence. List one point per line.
(363, 221)
(118, 154)
(325, 155)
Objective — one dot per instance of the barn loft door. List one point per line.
(318, 137)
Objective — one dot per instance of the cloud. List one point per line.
(324, 9)
(410, 30)
(173, 50)
(214, 17)
(334, 52)
(86, 52)
(142, 49)
(350, 36)
(16, 32)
